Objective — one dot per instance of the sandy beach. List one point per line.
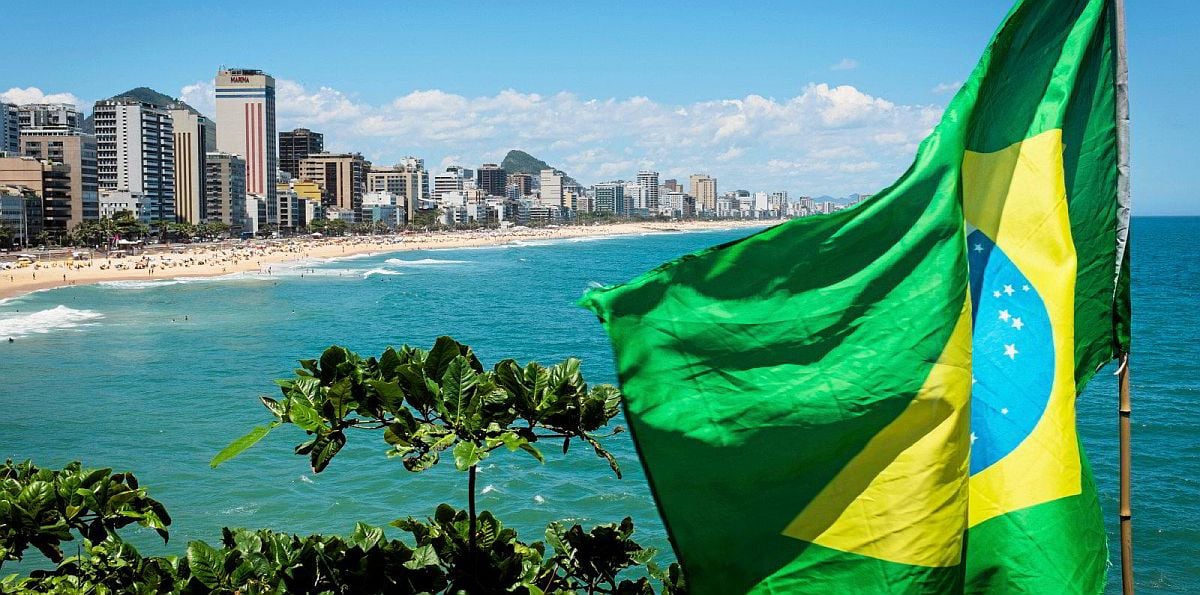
(223, 258)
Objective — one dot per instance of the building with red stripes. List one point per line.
(246, 127)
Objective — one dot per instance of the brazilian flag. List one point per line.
(883, 399)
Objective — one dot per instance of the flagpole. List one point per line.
(1124, 408)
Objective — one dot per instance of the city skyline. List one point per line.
(824, 104)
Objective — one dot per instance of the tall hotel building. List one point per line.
(246, 127)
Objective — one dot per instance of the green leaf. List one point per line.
(237, 446)
(272, 405)
(532, 450)
(330, 360)
(443, 352)
(467, 454)
(204, 563)
(390, 393)
(423, 557)
(327, 446)
(458, 392)
(304, 415)
(365, 536)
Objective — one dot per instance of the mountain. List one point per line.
(520, 161)
(145, 95)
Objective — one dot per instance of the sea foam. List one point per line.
(380, 272)
(423, 262)
(45, 321)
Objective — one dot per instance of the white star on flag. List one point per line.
(974, 437)
(995, 294)
(1004, 411)
(1004, 315)
(1008, 289)
(1011, 351)
(1024, 288)
(979, 247)
(1017, 324)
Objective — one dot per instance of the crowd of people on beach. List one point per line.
(217, 258)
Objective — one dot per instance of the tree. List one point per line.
(337, 227)
(318, 225)
(423, 404)
(424, 219)
(7, 236)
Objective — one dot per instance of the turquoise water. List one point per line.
(119, 378)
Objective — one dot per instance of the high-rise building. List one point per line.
(135, 151)
(672, 185)
(648, 180)
(491, 178)
(550, 182)
(524, 183)
(609, 198)
(297, 144)
(195, 136)
(225, 190)
(77, 151)
(704, 190)
(51, 116)
(342, 175)
(10, 127)
(246, 127)
(451, 180)
(49, 181)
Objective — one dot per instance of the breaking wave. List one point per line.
(423, 262)
(45, 321)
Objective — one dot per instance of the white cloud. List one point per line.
(200, 95)
(27, 95)
(824, 140)
(845, 64)
(730, 154)
(944, 88)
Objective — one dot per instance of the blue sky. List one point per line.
(603, 89)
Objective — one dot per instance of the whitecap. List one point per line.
(538, 499)
(380, 272)
(422, 262)
(489, 488)
(45, 321)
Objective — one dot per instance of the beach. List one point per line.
(171, 261)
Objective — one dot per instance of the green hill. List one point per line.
(145, 95)
(520, 161)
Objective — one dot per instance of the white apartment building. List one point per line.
(551, 187)
(648, 180)
(51, 116)
(135, 151)
(116, 201)
(451, 180)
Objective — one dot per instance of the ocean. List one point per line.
(156, 377)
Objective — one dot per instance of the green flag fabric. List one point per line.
(883, 399)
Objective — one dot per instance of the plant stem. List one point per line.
(471, 509)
